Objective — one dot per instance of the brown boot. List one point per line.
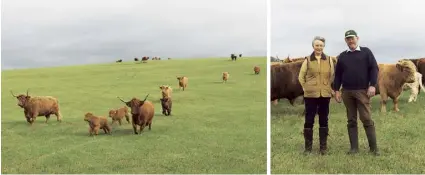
(371, 138)
(354, 141)
(323, 135)
(308, 140)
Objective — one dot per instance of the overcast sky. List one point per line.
(51, 32)
(391, 29)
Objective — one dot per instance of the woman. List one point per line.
(316, 76)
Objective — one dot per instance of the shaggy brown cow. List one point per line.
(119, 114)
(142, 113)
(119, 61)
(284, 81)
(391, 78)
(166, 91)
(35, 106)
(257, 70)
(225, 76)
(183, 82)
(96, 123)
(166, 104)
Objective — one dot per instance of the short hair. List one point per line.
(318, 38)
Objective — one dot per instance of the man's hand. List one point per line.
(338, 96)
(371, 91)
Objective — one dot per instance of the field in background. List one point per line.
(400, 138)
(214, 127)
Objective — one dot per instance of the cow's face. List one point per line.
(112, 113)
(87, 116)
(134, 104)
(407, 68)
(22, 100)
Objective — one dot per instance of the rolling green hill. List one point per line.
(400, 138)
(214, 127)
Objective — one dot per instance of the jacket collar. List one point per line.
(313, 58)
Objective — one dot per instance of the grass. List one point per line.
(214, 127)
(399, 138)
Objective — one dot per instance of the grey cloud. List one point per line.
(392, 30)
(48, 32)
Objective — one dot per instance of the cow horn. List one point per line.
(27, 92)
(146, 97)
(12, 93)
(121, 100)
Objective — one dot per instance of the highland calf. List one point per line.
(96, 123)
(391, 78)
(35, 106)
(225, 76)
(166, 104)
(257, 70)
(414, 87)
(142, 113)
(119, 114)
(183, 82)
(166, 91)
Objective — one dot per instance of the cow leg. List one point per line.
(413, 94)
(47, 117)
(135, 129)
(169, 111)
(150, 125)
(142, 126)
(58, 116)
(119, 121)
(96, 130)
(90, 131)
(127, 117)
(104, 129)
(384, 98)
(395, 103)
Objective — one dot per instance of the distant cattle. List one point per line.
(119, 114)
(183, 82)
(142, 113)
(225, 76)
(233, 57)
(240, 55)
(144, 59)
(136, 59)
(35, 106)
(391, 78)
(96, 123)
(119, 61)
(166, 104)
(256, 69)
(414, 87)
(165, 91)
(169, 58)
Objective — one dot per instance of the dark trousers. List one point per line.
(357, 100)
(315, 106)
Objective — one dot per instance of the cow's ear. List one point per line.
(160, 87)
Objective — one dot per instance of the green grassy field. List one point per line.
(400, 138)
(214, 127)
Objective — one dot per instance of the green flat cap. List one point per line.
(350, 33)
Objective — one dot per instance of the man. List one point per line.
(357, 72)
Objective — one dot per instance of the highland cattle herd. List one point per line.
(393, 79)
(141, 112)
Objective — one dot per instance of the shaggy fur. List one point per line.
(225, 76)
(414, 87)
(96, 123)
(35, 106)
(256, 69)
(183, 82)
(119, 114)
(166, 104)
(391, 78)
(142, 113)
(166, 91)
